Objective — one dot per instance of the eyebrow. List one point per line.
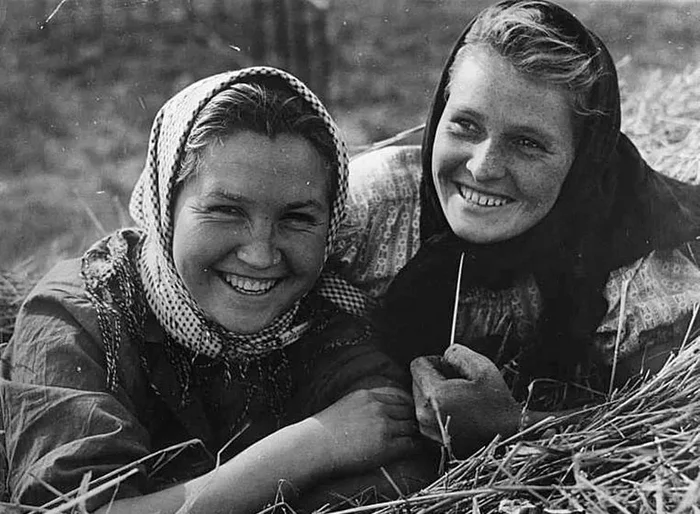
(313, 204)
(527, 129)
(466, 111)
(222, 194)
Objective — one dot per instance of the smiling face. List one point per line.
(251, 227)
(503, 147)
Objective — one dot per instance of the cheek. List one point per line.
(316, 250)
(542, 184)
(186, 256)
(445, 159)
(180, 250)
(309, 253)
(181, 228)
(194, 250)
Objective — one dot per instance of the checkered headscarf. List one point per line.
(151, 207)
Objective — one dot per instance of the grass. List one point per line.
(77, 102)
(638, 452)
(635, 453)
(76, 117)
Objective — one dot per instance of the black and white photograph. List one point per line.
(350, 257)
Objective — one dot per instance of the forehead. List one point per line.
(286, 168)
(486, 83)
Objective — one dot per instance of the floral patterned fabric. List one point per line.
(380, 234)
(657, 291)
(380, 231)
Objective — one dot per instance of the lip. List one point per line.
(249, 277)
(249, 286)
(482, 198)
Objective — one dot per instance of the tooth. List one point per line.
(248, 285)
(479, 199)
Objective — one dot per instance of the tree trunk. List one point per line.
(324, 53)
(97, 17)
(39, 14)
(258, 42)
(154, 12)
(281, 24)
(220, 10)
(300, 42)
(127, 15)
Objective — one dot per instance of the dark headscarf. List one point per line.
(612, 210)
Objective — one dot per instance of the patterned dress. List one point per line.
(648, 301)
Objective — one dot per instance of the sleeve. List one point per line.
(349, 359)
(380, 231)
(60, 422)
(650, 305)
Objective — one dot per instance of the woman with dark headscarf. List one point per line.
(213, 320)
(577, 265)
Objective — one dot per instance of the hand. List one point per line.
(467, 387)
(368, 428)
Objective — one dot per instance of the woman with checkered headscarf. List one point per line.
(212, 320)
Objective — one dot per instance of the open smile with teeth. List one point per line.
(482, 199)
(250, 286)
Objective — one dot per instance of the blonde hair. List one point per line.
(523, 34)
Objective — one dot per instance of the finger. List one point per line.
(427, 421)
(391, 395)
(403, 445)
(404, 428)
(399, 412)
(468, 363)
(431, 433)
(426, 372)
(419, 396)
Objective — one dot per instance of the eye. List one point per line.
(301, 220)
(530, 145)
(467, 127)
(227, 210)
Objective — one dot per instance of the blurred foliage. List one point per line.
(78, 92)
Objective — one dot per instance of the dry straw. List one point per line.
(639, 452)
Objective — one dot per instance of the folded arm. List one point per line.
(55, 370)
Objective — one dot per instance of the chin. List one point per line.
(239, 326)
(478, 239)
(477, 236)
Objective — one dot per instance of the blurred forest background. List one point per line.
(80, 82)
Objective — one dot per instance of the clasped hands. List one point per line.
(467, 388)
(369, 427)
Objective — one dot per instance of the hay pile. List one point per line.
(637, 453)
(662, 117)
(640, 451)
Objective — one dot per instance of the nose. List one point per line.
(486, 161)
(259, 250)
